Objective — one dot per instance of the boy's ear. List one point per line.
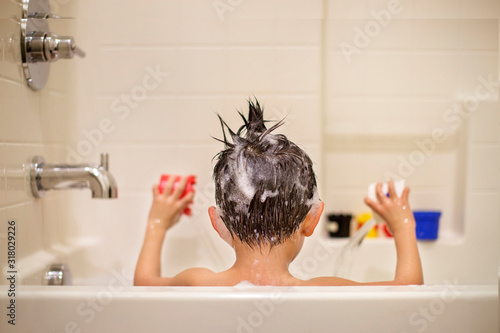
(311, 221)
(219, 225)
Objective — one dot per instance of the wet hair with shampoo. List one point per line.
(264, 184)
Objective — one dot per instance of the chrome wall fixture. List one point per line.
(39, 47)
(97, 178)
(58, 275)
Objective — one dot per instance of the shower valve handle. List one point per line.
(49, 47)
(56, 47)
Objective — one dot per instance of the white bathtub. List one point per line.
(117, 307)
(106, 301)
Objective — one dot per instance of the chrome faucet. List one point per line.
(44, 177)
(58, 275)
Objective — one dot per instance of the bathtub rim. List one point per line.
(311, 292)
(194, 309)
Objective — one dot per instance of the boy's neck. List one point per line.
(264, 265)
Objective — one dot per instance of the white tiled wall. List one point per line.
(264, 49)
(400, 84)
(354, 118)
(31, 123)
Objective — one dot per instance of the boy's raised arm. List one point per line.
(165, 212)
(399, 217)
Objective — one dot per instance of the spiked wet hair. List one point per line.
(264, 184)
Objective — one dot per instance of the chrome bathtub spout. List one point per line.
(45, 177)
(58, 275)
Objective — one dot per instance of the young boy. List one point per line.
(267, 204)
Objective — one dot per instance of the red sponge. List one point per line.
(191, 180)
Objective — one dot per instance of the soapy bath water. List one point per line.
(243, 285)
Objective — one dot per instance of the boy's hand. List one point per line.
(167, 207)
(393, 209)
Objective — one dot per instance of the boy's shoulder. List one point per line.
(196, 276)
(329, 281)
(199, 276)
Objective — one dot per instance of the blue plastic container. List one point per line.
(427, 224)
